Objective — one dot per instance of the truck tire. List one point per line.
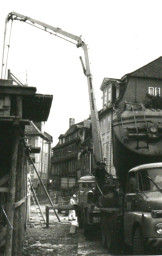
(138, 244)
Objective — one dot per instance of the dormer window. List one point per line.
(117, 91)
(105, 97)
(109, 94)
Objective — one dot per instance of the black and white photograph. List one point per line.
(80, 127)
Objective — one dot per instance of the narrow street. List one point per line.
(56, 240)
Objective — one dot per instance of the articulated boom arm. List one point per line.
(79, 43)
(16, 16)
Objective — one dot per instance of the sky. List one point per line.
(122, 36)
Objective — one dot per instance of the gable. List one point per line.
(151, 70)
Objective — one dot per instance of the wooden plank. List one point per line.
(19, 106)
(16, 90)
(4, 179)
(63, 207)
(12, 118)
(20, 202)
(11, 194)
(20, 198)
(3, 189)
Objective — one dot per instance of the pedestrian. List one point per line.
(72, 214)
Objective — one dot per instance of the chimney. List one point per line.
(71, 122)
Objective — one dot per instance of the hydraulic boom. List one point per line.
(79, 43)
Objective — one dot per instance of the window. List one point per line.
(151, 90)
(150, 179)
(132, 183)
(105, 97)
(109, 94)
(157, 91)
(154, 91)
(71, 182)
(117, 91)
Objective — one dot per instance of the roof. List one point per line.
(34, 129)
(87, 178)
(37, 107)
(110, 80)
(31, 129)
(150, 70)
(50, 138)
(146, 166)
(73, 128)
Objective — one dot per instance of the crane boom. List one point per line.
(97, 146)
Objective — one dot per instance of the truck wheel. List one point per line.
(138, 244)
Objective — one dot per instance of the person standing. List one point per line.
(72, 214)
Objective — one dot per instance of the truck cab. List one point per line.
(88, 213)
(142, 216)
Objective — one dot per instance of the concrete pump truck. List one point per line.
(128, 208)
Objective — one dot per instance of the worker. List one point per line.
(100, 173)
(110, 197)
(73, 202)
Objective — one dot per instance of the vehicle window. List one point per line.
(132, 183)
(150, 179)
(144, 182)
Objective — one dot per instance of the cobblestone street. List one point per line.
(56, 240)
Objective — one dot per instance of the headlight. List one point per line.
(159, 228)
(153, 129)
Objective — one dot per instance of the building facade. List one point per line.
(18, 106)
(40, 145)
(110, 93)
(142, 86)
(71, 157)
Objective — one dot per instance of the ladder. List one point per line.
(141, 107)
(41, 182)
(36, 203)
(110, 153)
